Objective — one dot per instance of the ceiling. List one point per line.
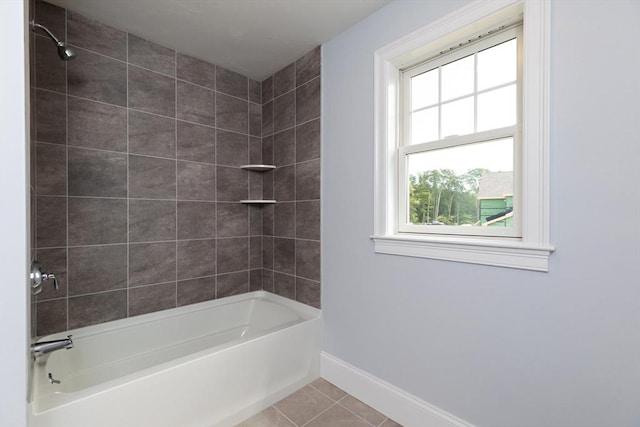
(252, 37)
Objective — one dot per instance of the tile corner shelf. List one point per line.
(258, 202)
(258, 168)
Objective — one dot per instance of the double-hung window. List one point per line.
(461, 138)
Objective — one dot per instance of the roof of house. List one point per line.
(495, 185)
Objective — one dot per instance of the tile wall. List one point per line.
(136, 176)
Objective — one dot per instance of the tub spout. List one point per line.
(41, 348)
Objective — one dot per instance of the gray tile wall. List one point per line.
(291, 141)
(136, 178)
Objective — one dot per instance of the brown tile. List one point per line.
(51, 317)
(51, 173)
(268, 220)
(232, 284)
(270, 417)
(96, 173)
(284, 255)
(51, 229)
(97, 308)
(267, 280)
(149, 299)
(152, 135)
(195, 104)
(196, 143)
(308, 67)
(196, 181)
(284, 111)
(97, 125)
(284, 80)
(51, 16)
(284, 215)
(308, 180)
(232, 255)
(267, 118)
(196, 220)
(255, 253)
(284, 285)
(152, 56)
(97, 221)
(308, 220)
(232, 184)
(267, 252)
(152, 263)
(232, 113)
(50, 118)
(231, 83)
(390, 423)
(337, 416)
(152, 220)
(232, 149)
(97, 268)
(151, 92)
(284, 183)
(255, 150)
(308, 141)
(255, 280)
(362, 410)
(308, 101)
(308, 292)
(284, 147)
(255, 221)
(97, 77)
(255, 186)
(53, 261)
(232, 220)
(255, 91)
(51, 72)
(267, 150)
(268, 185)
(328, 389)
(152, 178)
(196, 290)
(95, 36)
(196, 71)
(307, 259)
(303, 405)
(267, 89)
(196, 258)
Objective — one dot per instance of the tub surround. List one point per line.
(137, 151)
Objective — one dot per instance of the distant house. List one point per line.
(495, 197)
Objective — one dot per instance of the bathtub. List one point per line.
(208, 364)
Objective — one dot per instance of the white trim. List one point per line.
(533, 247)
(395, 403)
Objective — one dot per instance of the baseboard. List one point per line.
(395, 403)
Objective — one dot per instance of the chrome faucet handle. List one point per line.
(37, 277)
(47, 276)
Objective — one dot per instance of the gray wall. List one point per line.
(495, 346)
(136, 176)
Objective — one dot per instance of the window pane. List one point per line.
(457, 117)
(497, 108)
(469, 185)
(424, 125)
(424, 89)
(498, 65)
(457, 78)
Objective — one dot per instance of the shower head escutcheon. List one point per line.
(64, 52)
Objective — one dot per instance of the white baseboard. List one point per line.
(395, 403)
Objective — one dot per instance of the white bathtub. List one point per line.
(209, 364)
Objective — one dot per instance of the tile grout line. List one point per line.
(333, 403)
(175, 136)
(66, 89)
(128, 177)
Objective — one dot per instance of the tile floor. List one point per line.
(319, 404)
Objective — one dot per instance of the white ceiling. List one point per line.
(252, 37)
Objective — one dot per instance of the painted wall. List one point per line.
(495, 346)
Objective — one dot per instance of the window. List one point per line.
(462, 138)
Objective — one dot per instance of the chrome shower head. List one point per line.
(64, 52)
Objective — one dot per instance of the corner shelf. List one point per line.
(258, 202)
(258, 168)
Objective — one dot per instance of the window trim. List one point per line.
(533, 249)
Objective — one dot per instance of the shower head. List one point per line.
(64, 52)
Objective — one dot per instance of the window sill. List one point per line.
(494, 252)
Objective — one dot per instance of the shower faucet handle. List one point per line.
(51, 276)
(37, 277)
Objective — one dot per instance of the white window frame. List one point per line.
(531, 251)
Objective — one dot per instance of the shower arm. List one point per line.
(42, 27)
